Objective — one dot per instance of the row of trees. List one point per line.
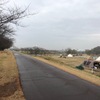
(95, 51)
(42, 51)
(38, 50)
(8, 17)
(71, 51)
(34, 50)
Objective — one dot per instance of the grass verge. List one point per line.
(10, 88)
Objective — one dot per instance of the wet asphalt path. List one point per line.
(41, 81)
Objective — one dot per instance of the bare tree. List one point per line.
(8, 17)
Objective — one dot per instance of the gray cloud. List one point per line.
(60, 24)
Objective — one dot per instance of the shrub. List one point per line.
(80, 67)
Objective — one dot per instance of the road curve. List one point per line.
(41, 81)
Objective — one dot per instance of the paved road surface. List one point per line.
(41, 81)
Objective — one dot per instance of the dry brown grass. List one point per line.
(69, 61)
(10, 88)
(68, 65)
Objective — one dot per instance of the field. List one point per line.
(10, 88)
(69, 65)
(68, 61)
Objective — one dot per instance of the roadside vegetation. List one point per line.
(9, 17)
(10, 88)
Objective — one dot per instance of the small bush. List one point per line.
(80, 67)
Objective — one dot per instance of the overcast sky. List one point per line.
(59, 24)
